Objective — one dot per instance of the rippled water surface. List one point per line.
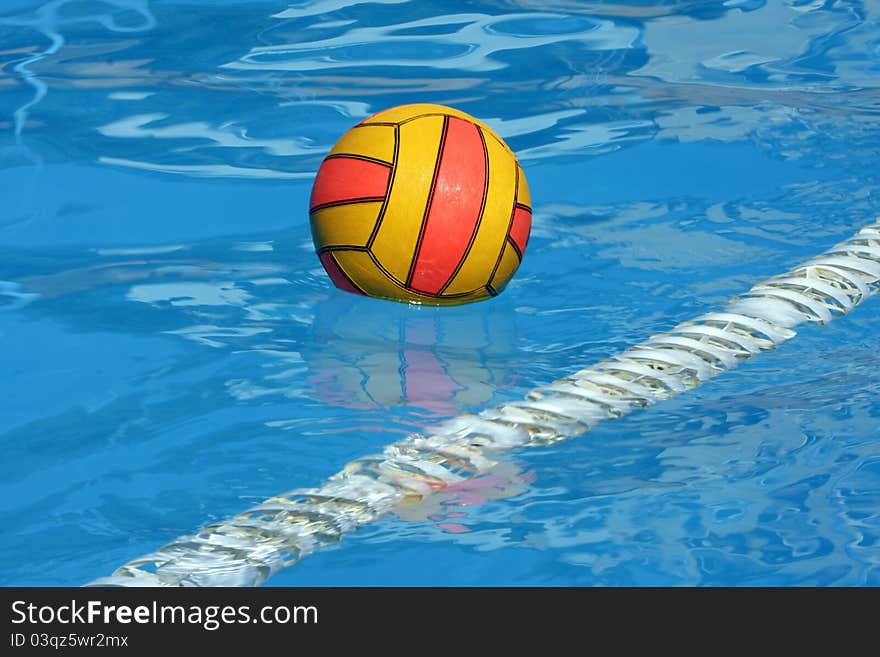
(171, 351)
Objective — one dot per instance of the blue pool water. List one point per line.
(172, 353)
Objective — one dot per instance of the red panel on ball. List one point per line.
(344, 179)
(336, 275)
(454, 207)
(519, 229)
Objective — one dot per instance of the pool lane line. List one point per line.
(250, 547)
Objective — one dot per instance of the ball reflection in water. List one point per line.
(442, 360)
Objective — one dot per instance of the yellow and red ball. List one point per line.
(421, 204)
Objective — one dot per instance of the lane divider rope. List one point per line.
(247, 549)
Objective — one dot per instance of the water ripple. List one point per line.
(173, 350)
(471, 46)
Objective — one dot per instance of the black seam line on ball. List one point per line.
(357, 156)
(343, 272)
(427, 210)
(519, 254)
(409, 119)
(387, 273)
(388, 189)
(509, 224)
(346, 201)
(329, 248)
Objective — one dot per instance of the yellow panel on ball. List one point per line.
(349, 224)
(398, 232)
(360, 267)
(371, 141)
(433, 204)
(522, 192)
(506, 267)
